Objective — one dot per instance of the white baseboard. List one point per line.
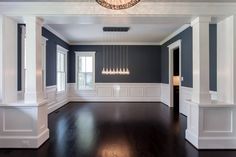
(56, 105)
(210, 142)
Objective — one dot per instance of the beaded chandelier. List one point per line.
(117, 4)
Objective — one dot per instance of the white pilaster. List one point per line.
(226, 60)
(33, 77)
(200, 28)
(8, 60)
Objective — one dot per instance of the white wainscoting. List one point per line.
(23, 126)
(129, 92)
(165, 94)
(55, 100)
(185, 94)
(211, 126)
(124, 92)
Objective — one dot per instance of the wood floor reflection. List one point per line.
(116, 130)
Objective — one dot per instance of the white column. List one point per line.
(226, 60)
(22, 124)
(8, 60)
(33, 77)
(210, 125)
(200, 28)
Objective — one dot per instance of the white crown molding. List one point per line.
(56, 33)
(181, 29)
(116, 43)
(143, 8)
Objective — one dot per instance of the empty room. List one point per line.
(117, 78)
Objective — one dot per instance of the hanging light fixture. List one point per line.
(115, 57)
(117, 4)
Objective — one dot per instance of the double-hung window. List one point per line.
(61, 68)
(85, 70)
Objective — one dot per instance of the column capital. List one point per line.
(33, 19)
(201, 19)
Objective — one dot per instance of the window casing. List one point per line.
(61, 69)
(85, 70)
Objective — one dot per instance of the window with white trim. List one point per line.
(61, 68)
(85, 70)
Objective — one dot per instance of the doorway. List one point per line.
(176, 80)
(175, 75)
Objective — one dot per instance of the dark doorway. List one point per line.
(176, 80)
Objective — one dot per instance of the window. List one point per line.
(85, 70)
(61, 68)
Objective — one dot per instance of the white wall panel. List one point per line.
(223, 122)
(136, 92)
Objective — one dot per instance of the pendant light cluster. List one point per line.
(115, 57)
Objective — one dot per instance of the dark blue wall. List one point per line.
(186, 57)
(147, 64)
(144, 64)
(51, 50)
(213, 57)
(19, 57)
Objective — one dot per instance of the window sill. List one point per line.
(93, 89)
(61, 92)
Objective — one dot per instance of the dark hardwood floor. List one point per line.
(116, 130)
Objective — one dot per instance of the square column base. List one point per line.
(23, 125)
(24, 141)
(211, 126)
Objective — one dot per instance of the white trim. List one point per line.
(92, 8)
(178, 31)
(56, 33)
(24, 141)
(197, 20)
(176, 44)
(44, 52)
(53, 86)
(115, 43)
(84, 53)
(64, 51)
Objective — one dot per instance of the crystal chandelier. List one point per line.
(117, 4)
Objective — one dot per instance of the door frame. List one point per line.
(172, 47)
